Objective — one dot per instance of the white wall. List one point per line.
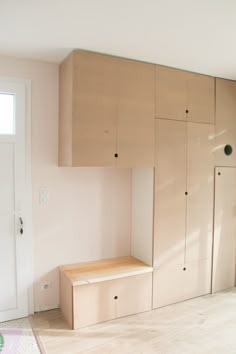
(89, 210)
(142, 214)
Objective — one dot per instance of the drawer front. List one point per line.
(103, 301)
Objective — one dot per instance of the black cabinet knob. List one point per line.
(228, 150)
(219, 173)
(186, 193)
(115, 297)
(116, 155)
(186, 111)
(184, 268)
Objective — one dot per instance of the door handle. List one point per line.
(21, 226)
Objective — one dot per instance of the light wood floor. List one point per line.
(206, 325)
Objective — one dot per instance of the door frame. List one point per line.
(28, 171)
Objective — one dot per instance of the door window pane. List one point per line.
(7, 121)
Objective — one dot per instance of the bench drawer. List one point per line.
(106, 300)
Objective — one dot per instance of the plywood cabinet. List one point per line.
(224, 251)
(200, 98)
(107, 111)
(182, 95)
(200, 188)
(170, 188)
(170, 93)
(225, 122)
(94, 112)
(173, 283)
(136, 113)
(100, 291)
(168, 284)
(183, 211)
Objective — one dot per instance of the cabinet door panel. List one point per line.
(168, 285)
(200, 98)
(178, 282)
(197, 278)
(94, 110)
(200, 179)
(170, 187)
(170, 93)
(224, 229)
(225, 122)
(93, 303)
(136, 114)
(134, 294)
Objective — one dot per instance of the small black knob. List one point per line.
(186, 193)
(219, 173)
(228, 150)
(116, 155)
(186, 111)
(115, 297)
(21, 231)
(184, 268)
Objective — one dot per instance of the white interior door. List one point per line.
(13, 243)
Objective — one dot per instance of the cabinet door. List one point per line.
(94, 110)
(93, 303)
(168, 285)
(197, 281)
(177, 282)
(225, 122)
(170, 93)
(170, 188)
(200, 98)
(200, 184)
(134, 294)
(224, 229)
(136, 114)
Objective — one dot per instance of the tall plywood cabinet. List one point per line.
(107, 111)
(183, 211)
(125, 113)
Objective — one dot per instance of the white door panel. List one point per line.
(7, 243)
(13, 244)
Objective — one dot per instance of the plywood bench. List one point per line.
(99, 291)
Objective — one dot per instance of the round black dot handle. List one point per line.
(116, 155)
(115, 297)
(228, 150)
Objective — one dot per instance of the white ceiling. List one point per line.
(196, 35)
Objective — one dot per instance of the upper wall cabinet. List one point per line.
(182, 95)
(136, 114)
(225, 149)
(107, 111)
